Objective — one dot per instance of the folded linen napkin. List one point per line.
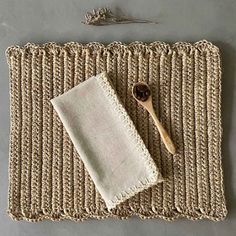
(106, 140)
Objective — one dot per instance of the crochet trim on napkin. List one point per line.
(154, 172)
(47, 179)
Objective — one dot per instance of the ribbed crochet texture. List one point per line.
(47, 178)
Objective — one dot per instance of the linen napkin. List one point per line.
(106, 140)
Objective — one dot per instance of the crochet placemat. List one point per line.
(47, 178)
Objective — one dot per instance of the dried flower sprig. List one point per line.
(104, 16)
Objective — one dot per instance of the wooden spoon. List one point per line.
(142, 93)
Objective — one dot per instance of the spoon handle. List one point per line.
(164, 135)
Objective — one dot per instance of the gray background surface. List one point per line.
(40, 21)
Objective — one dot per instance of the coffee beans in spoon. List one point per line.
(141, 92)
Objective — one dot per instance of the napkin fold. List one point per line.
(106, 139)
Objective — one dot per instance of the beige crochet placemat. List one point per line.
(47, 178)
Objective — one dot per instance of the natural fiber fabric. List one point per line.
(106, 140)
(47, 177)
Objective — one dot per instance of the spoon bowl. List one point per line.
(141, 92)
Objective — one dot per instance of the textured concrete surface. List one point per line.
(40, 21)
